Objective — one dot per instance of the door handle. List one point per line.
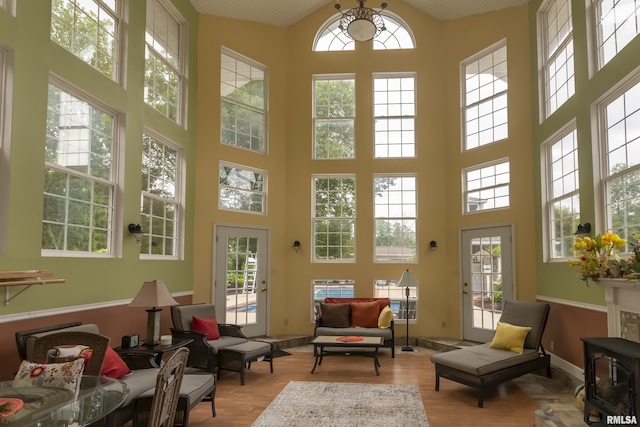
(264, 286)
(465, 292)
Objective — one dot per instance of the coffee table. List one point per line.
(333, 345)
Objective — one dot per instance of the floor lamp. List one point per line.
(406, 281)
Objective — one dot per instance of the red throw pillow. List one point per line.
(114, 366)
(365, 314)
(207, 326)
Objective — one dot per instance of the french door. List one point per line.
(240, 285)
(487, 279)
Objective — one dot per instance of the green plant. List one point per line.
(497, 292)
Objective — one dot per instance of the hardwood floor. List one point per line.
(453, 405)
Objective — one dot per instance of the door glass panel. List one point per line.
(242, 267)
(486, 279)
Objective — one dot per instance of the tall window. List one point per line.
(556, 44)
(89, 29)
(484, 83)
(242, 189)
(397, 295)
(394, 106)
(334, 117)
(165, 60)
(396, 215)
(486, 187)
(79, 184)
(334, 218)
(620, 116)
(161, 196)
(243, 90)
(562, 195)
(617, 23)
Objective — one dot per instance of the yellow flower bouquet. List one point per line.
(594, 254)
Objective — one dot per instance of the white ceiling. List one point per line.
(287, 12)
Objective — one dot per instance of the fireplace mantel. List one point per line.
(621, 295)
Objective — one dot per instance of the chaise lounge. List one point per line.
(513, 352)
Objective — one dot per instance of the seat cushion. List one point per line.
(481, 359)
(251, 349)
(363, 332)
(224, 342)
(139, 381)
(193, 387)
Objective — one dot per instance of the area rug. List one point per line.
(307, 403)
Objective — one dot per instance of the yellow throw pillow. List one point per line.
(510, 337)
(385, 317)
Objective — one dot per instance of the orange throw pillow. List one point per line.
(207, 326)
(365, 314)
(114, 366)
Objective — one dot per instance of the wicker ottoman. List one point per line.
(238, 357)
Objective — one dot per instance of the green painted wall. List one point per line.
(557, 279)
(88, 280)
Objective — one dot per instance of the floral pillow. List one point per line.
(61, 375)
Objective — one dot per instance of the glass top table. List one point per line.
(51, 406)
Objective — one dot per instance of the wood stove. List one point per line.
(612, 381)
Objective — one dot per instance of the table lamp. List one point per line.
(155, 295)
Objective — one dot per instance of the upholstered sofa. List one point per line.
(367, 317)
(141, 376)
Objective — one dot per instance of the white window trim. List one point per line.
(315, 78)
(465, 203)
(6, 95)
(180, 197)
(546, 189)
(264, 186)
(116, 222)
(463, 93)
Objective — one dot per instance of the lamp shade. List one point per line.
(153, 294)
(408, 279)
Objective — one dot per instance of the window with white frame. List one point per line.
(334, 218)
(389, 288)
(80, 182)
(396, 215)
(561, 192)
(617, 23)
(243, 90)
(556, 44)
(330, 38)
(484, 83)
(334, 111)
(242, 188)
(165, 78)
(161, 196)
(394, 110)
(90, 30)
(620, 136)
(330, 288)
(486, 187)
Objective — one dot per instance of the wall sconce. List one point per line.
(137, 232)
(433, 245)
(583, 229)
(296, 245)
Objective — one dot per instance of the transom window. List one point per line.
(395, 218)
(486, 187)
(89, 29)
(617, 23)
(165, 60)
(244, 102)
(242, 188)
(161, 196)
(79, 185)
(556, 30)
(620, 116)
(562, 193)
(334, 218)
(394, 106)
(388, 288)
(334, 117)
(484, 83)
(396, 36)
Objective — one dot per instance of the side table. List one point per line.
(153, 353)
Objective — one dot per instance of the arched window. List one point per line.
(396, 36)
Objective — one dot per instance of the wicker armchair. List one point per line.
(43, 346)
(203, 353)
